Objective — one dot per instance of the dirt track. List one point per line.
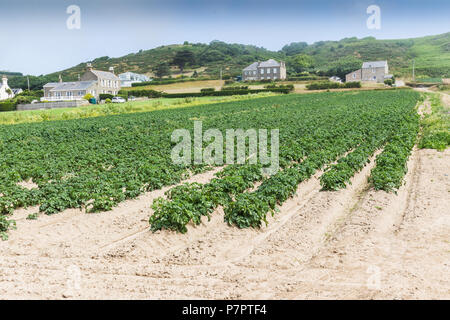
(352, 244)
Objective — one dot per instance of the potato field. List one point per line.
(96, 163)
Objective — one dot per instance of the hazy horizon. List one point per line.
(38, 41)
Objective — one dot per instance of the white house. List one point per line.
(128, 78)
(5, 90)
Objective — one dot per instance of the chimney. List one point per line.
(60, 78)
(89, 66)
(111, 69)
(5, 80)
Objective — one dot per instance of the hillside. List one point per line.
(431, 53)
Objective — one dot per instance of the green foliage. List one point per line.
(107, 100)
(331, 125)
(145, 93)
(321, 85)
(7, 105)
(104, 96)
(161, 70)
(435, 126)
(88, 97)
(207, 90)
(300, 63)
(6, 225)
(182, 58)
(228, 92)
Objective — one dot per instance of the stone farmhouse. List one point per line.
(5, 91)
(266, 70)
(92, 81)
(373, 71)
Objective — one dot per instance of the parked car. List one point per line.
(118, 100)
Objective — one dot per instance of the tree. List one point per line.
(182, 58)
(294, 48)
(344, 66)
(162, 70)
(300, 63)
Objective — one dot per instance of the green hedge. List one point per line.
(207, 90)
(223, 93)
(235, 88)
(145, 93)
(332, 85)
(305, 78)
(104, 96)
(7, 106)
(281, 86)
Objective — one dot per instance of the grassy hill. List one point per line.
(431, 54)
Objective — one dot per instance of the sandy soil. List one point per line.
(356, 243)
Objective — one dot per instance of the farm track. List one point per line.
(320, 245)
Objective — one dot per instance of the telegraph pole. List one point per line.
(220, 73)
(28, 82)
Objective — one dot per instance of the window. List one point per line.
(373, 70)
(274, 70)
(268, 70)
(354, 76)
(254, 73)
(262, 71)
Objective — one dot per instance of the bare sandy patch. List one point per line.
(29, 184)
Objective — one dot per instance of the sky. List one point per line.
(35, 38)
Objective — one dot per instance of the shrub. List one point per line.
(107, 100)
(123, 93)
(7, 106)
(88, 97)
(207, 90)
(388, 82)
(104, 96)
(322, 85)
(235, 88)
(145, 93)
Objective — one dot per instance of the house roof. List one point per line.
(269, 63)
(51, 84)
(77, 85)
(252, 67)
(105, 74)
(374, 64)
